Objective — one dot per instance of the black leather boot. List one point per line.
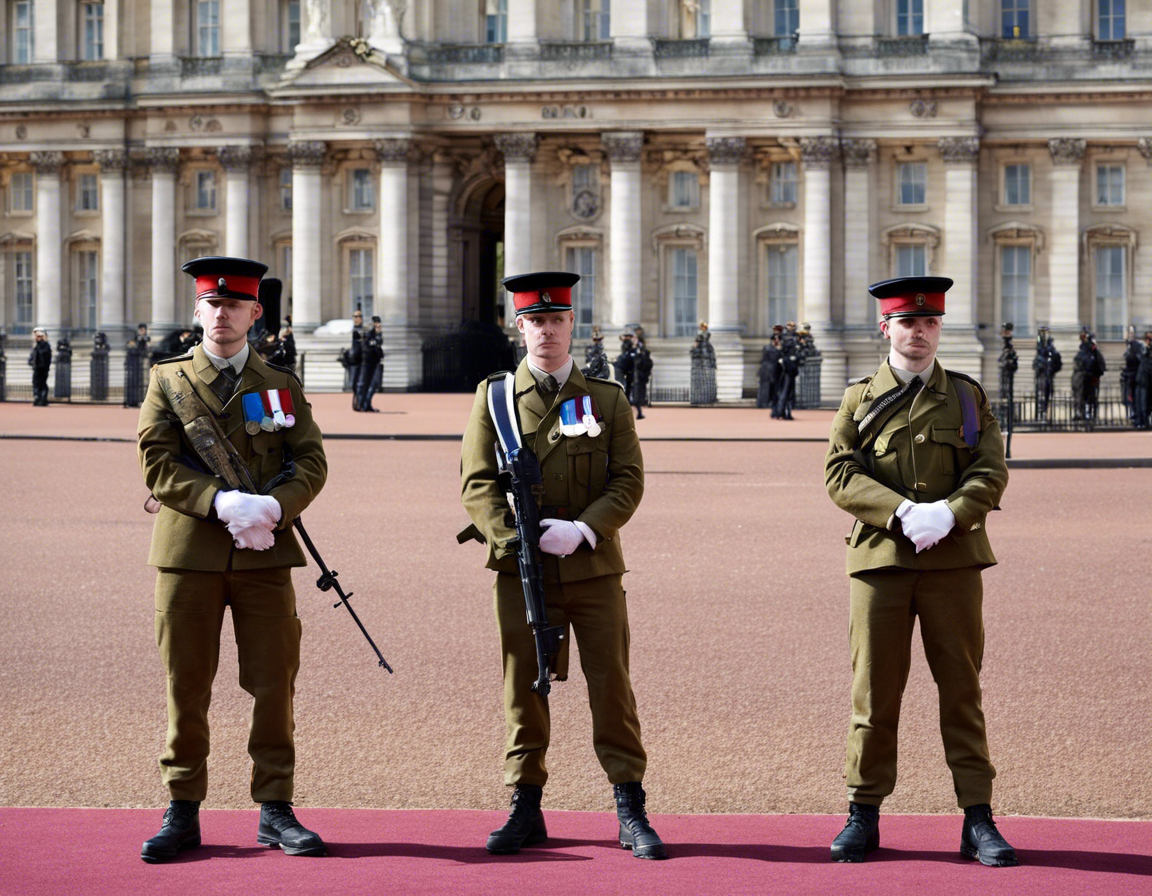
(180, 830)
(279, 827)
(636, 833)
(861, 835)
(980, 839)
(525, 824)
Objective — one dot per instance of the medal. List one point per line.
(289, 408)
(253, 412)
(251, 427)
(578, 416)
(277, 410)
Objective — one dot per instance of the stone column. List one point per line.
(48, 311)
(392, 287)
(859, 158)
(166, 313)
(161, 46)
(961, 155)
(725, 232)
(113, 286)
(817, 155)
(817, 25)
(1064, 251)
(1066, 31)
(236, 161)
(316, 37)
(945, 25)
(46, 30)
(236, 28)
(307, 157)
(625, 287)
(629, 29)
(522, 22)
(384, 26)
(730, 28)
(111, 29)
(519, 151)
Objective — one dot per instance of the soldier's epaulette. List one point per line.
(288, 370)
(606, 382)
(498, 375)
(184, 357)
(968, 379)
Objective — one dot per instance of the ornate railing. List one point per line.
(578, 51)
(916, 45)
(774, 46)
(1113, 49)
(682, 49)
(465, 54)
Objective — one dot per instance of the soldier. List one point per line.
(769, 373)
(371, 368)
(702, 385)
(592, 484)
(1143, 389)
(356, 356)
(595, 361)
(641, 372)
(622, 365)
(916, 456)
(1132, 351)
(1091, 364)
(40, 360)
(214, 547)
(1045, 365)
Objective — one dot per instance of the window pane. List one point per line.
(360, 280)
(1111, 25)
(205, 190)
(683, 291)
(293, 17)
(22, 263)
(582, 261)
(88, 193)
(787, 17)
(1015, 275)
(913, 183)
(911, 261)
(93, 31)
(1014, 18)
(909, 17)
(21, 192)
(782, 283)
(683, 188)
(286, 189)
(208, 27)
(1017, 185)
(783, 183)
(496, 19)
(1110, 288)
(22, 32)
(361, 198)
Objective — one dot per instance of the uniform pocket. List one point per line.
(955, 455)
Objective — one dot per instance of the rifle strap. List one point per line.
(889, 401)
(502, 409)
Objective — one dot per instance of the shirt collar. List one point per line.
(236, 362)
(561, 375)
(906, 375)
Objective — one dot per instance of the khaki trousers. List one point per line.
(884, 608)
(598, 615)
(189, 616)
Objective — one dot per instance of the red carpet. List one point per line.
(57, 852)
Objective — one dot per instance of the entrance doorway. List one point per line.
(481, 248)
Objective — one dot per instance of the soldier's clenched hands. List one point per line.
(560, 537)
(238, 510)
(925, 524)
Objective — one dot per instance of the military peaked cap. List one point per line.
(220, 277)
(911, 296)
(544, 291)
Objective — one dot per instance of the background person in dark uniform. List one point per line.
(592, 485)
(1132, 351)
(1142, 390)
(371, 368)
(1092, 366)
(623, 364)
(356, 356)
(917, 458)
(1045, 366)
(641, 373)
(214, 547)
(40, 360)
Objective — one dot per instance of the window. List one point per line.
(909, 18)
(360, 198)
(88, 277)
(21, 194)
(284, 260)
(496, 21)
(1015, 285)
(684, 189)
(783, 184)
(913, 183)
(782, 282)
(1014, 19)
(204, 199)
(87, 193)
(695, 19)
(683, 281)
(22, 265)
(1111, 290)
(360, 280)
(22, 32)
(1018, 184)
(1110, 20)
(911, 261)
(787, 18)
(290, 18)
(286, 189)
(207, 27)
(1110, 185)
(582, 260)
(92, 31)
(595, 19)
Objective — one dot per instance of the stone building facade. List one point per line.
(744, 162)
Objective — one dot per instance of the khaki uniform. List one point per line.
(917, 452)
(200, 572)
(598, 481)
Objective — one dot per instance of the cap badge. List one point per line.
(920, 298)
(222, 283)
(545, 298)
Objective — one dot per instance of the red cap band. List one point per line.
(559, 296)
(913, 303)
(209, 285)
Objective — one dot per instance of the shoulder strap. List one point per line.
(502, 409)
(889, 401)
(967, 390)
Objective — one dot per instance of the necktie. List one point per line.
(548, 388)
(225, 383)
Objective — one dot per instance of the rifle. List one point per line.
(224, 461)
(522, 480)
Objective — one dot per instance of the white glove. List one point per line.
(560, 537)
(256, 538)
(238, 510)
(926, 524)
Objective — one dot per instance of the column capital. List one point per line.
(1144, 144)
(395, 151)
(858, 153)
(163, 159)
(516, 147)
(1067, 150)
(112, 162)
(726, 150)
(819, 152)
(46, 163)
(307, 153)
(623, 146)
(959, 150)
(236, 159)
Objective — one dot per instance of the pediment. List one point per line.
(349, 64)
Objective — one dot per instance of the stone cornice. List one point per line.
(819, 152)
(306, 153)
(623, 146)
(726, 150)
(1144, 145)
(517, 147)
(1067, 150)
(959, 150)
